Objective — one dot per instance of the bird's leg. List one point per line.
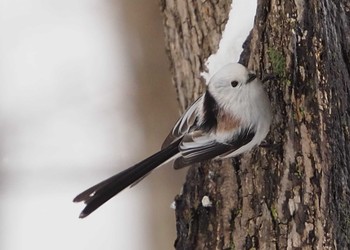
(269, 77)
(269, 145)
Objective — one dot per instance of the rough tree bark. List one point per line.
(296, 194)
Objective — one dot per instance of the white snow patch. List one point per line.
(173, 205)
(206, 202)
(239, 24)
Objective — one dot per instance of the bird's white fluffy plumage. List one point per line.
(247, 104)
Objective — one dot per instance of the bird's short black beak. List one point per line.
(251, 77)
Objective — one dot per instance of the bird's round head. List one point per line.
(233, 82)
(232, 75)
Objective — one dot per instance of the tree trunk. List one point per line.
(296, 193)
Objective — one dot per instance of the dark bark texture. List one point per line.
(294, 194)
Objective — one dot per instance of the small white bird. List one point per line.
(231, 117)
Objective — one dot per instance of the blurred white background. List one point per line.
(84, 93)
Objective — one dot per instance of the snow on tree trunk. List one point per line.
(296, 193)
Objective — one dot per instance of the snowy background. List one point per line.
(84, 92)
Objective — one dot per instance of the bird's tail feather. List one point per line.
(97, 195)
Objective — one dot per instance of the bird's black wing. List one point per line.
(201, 148)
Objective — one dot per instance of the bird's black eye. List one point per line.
(234, 83)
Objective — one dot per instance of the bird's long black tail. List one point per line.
(97, 195)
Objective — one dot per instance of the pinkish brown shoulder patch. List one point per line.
(227, 122)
